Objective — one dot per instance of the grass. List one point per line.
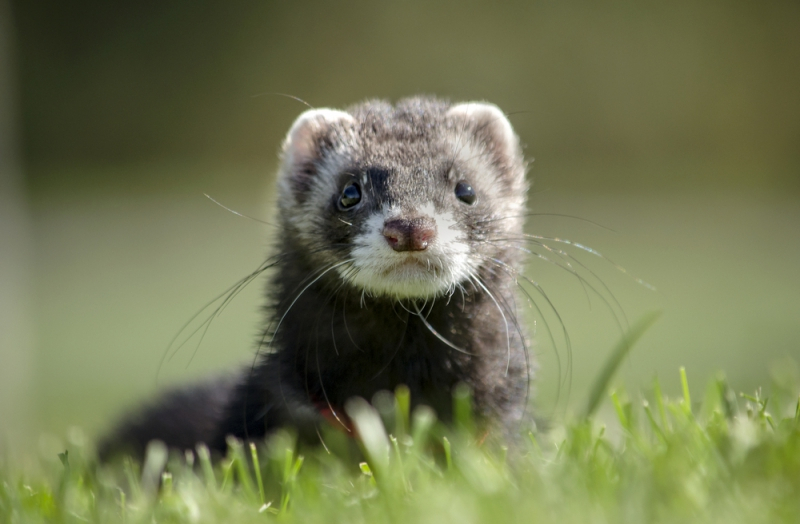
(729, 458)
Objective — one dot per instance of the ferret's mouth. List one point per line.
(403, 277)
(409, 263)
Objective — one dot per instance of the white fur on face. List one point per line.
(380, 270)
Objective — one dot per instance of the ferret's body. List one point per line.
(395, 264)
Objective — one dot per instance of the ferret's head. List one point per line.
(409, 201)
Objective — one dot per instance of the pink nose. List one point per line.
(410, 234)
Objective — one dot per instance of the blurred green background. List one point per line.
(675, 124)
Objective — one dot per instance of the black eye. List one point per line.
(465, 193)
(351, 195)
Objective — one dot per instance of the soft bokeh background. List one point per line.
(675, 124)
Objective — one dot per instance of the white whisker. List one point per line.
(505, 322)
(436, 333)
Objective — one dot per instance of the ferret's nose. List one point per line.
(410, 234)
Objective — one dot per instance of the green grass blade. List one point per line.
(402, 397)
(204, 456)
(257, 468)
(462, 408)
(613, 362)
(797, 410)
(448, 454)
(687, 397)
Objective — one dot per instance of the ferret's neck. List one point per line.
(340, 343)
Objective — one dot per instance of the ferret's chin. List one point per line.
(404, 281)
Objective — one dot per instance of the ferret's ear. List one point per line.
(305, 144)
(489, 125)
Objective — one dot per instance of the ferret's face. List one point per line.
(406, 202)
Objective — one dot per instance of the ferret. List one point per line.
(396, 263)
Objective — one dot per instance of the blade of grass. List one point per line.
(617, 356)
(239, 464)
(797, 410)
(399, 457)
(423, 420)
(622, 411)
(653, 424)
(133, 479)
(687, 397)
(659, 398)
(204, 455)
(257, 468)
(462, 408)
(372, 435)
(402, 397)
(155, 460)
(448, 456)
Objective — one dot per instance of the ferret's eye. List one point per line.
(351, 195)
(465, 193)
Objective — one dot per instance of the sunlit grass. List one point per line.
(727, 458)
